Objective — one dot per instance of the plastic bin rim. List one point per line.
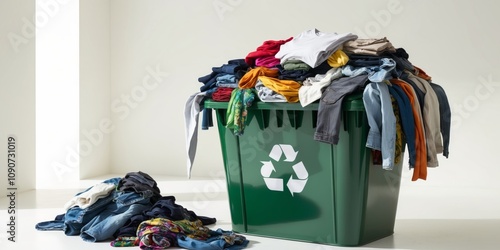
(352, 102)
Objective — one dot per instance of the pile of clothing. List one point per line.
(403, 105)
(130, 211)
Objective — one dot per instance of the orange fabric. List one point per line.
(249, 80)
(288, 88)
(421, 73)
(420, 168)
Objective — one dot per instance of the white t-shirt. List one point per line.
(313, 47)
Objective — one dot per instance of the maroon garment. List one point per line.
(222, 94)
(268, 48)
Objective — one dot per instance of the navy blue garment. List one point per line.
(407, 120)
(207, 120)
(445, 116)
(166, 207)
(236, 67)
(359, 61)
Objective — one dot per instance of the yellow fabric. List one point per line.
(288, 88)
(338, 59)
(249, 80)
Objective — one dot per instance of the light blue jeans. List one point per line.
(375, 73)
(75, 218)
(382, 122)
(104, 225)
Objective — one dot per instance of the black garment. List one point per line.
(402, 62)
(141, 183)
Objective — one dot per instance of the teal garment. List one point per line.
(236, 114)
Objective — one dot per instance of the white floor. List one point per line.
(444, 219)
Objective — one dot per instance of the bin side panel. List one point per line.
(276, 204)
(232, 166)
(283, 184)
(351, 179)
(382, 202)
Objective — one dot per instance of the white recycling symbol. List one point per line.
(276, 184)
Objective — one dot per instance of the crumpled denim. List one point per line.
(382, 122)
(75, 218)
(218, 241)
(378, 73)
(100, 220)
(105, 224)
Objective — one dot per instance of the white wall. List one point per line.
(57, 87)
(157, 50)
(454, 41)
(17, 91)
(95, 120)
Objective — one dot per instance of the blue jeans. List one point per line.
(105, 224)
(407, 120)
(215, 242)
(378, 73)
(75, 218)
(382, 122)
(103, 218)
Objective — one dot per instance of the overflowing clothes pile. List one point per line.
(404, 107)
(130, 211)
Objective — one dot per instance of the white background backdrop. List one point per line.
(124, 42)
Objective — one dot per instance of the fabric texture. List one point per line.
(312, 87)
(382, 122)
(369, 46)
(90, 196)
(313, 46)
(192, 111)
(237, 112)
(287, 88)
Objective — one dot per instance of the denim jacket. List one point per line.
(100, 220)
(382, 122)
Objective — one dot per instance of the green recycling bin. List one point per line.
(283, 184)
